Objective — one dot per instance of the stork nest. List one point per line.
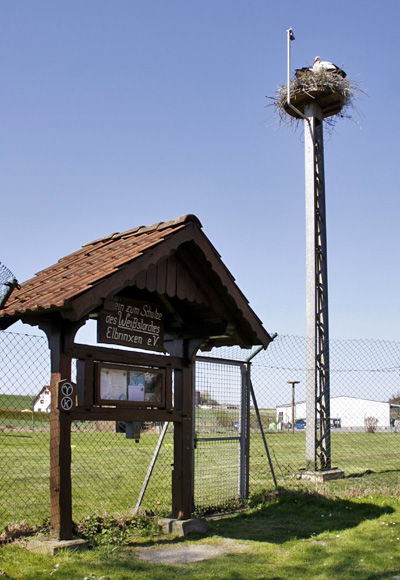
(334, 94)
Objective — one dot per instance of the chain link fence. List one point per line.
(109, 470)
(364, 404)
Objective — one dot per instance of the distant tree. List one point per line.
(395, 411)
(205, 399)
(225, 419)
(395, 399)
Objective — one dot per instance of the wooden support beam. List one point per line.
(113, 355)
(121, 414)
(60, 468)
(60, 334)
(183, 473)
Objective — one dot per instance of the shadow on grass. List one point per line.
(13, 435)
(284, 516)
(370, 472)
(287, 515)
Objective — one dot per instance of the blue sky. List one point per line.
(127, 112)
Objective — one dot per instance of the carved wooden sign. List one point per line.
(131, 323)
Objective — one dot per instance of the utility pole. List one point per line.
(293, 383)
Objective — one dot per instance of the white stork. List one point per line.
(320, 66)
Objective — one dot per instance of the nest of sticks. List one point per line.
(333, 93)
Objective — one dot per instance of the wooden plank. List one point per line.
(118, 414)
(85, 382)
(151, 278)
(168, 395)
(171, 277)
(140, 280)
(113, 355)
(161, 277)
(216, 294)
(193, 293)
(181, 281)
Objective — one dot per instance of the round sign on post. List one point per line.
(67, 389)
(66, 395)
(66, 403)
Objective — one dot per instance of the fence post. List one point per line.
(244, 426)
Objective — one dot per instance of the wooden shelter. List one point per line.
(162, 289)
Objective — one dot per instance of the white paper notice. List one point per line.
(113, 384)
(136, 387)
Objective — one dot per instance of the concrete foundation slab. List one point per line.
(50, 546)
(319, 476)
(183, 527)
(187, 554)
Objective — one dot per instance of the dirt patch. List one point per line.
(186, 554)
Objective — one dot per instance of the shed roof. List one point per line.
(173, 261)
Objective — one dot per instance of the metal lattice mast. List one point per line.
(318, 439)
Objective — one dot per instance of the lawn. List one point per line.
(338, 531)
(108, 470)
(16, 402)
(354, 452)
(341, 529)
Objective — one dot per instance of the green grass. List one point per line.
(15, 402)
(301, 534)
(107, 474)
(108, 470)
(354, 452)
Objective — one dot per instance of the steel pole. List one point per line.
(318, 445)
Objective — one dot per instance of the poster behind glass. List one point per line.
(132, 385)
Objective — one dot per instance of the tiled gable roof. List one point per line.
(171, 262)
(56, 285)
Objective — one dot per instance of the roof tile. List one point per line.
(73, 274)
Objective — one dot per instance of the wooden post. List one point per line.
(182, 476)
(59, 333)
(60, 467)
(183, 473)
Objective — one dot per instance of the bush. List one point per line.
(225, 419)
(371, 424)
(102, 529)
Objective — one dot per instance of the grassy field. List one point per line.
(345, 530)
(15, 402)
(108, 470)
(354, 452)
(107, 473)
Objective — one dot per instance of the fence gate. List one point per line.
(221, 432)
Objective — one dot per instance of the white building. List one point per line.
(42, 402)
(350, 411)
